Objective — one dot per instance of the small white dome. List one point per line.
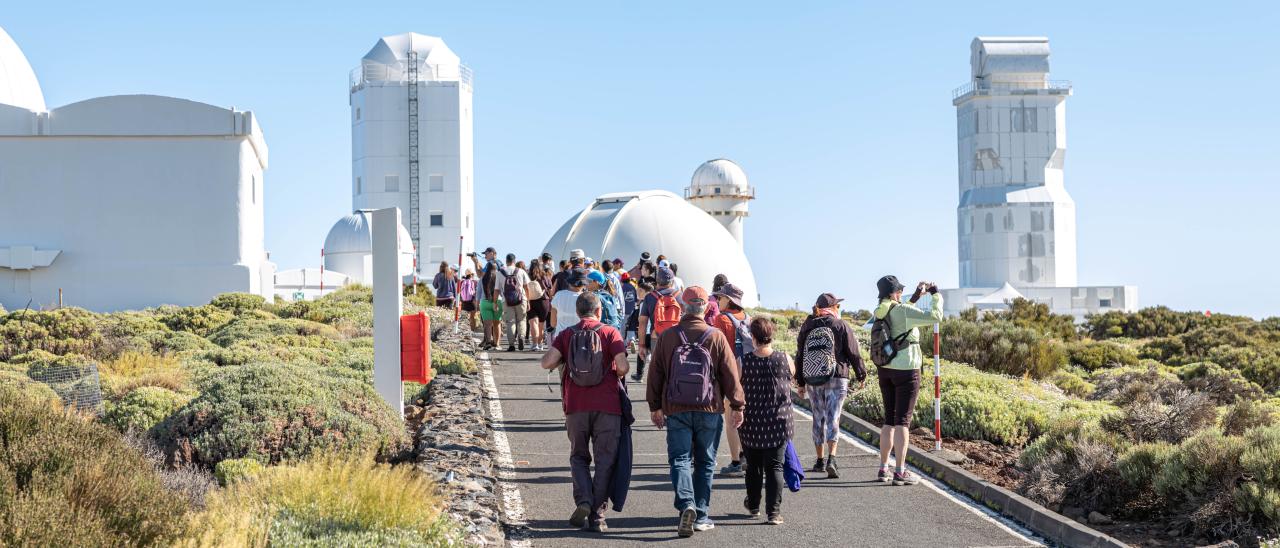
(627, 223)
(18, 84)
(350, 241)
(719, 172)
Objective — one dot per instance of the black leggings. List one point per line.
(899, 389)
(765, 465)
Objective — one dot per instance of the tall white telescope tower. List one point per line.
(411, 142)
(720, 188)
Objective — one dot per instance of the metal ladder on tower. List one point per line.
(414, 210)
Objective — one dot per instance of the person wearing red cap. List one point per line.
(694, 375)
(826, 341)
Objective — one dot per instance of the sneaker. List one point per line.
(884, 475)
(733, 470)
(704, 524)
(598, 527)
(687, 517)
(905, 477)
(820, 465)
(832, 471)
(775, 519)
(520, 345)
(751, 512)
(511, 348)
(579, 516)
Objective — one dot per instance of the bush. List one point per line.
(1074, 464)
(1037, 317)
(60, 331)
(200, 320)
(233, 470)
(1001, 347)
(1122, 386)
(327, 502)
(1072, 384)
(65, 481)
(277, 412)
(142, 408)
(1093, 355)
(1149, 419)
(1223, 385)
(448, 362)
(1196, 482)
(1245, 415)
(1140, 464)
(135, 370)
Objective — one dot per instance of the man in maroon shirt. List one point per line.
(592, 414)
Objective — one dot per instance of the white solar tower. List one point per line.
(411, 142)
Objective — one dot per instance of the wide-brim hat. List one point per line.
(731, 292)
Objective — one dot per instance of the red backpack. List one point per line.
(666, 313)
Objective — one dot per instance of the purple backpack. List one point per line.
(691, 377)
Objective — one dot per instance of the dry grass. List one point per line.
(327, 495)
(133, 370)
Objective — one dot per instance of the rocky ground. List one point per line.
(453, 443)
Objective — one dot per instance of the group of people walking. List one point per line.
(711, 369)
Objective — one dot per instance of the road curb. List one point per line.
(1043, 521)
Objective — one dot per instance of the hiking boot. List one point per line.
(832, 470)
(775, 519)
(511, 348)
(704, 524)
(520, 345)
(733, 470)
(820, 465)
(751, 512)
(579, 516)
(905, 477)
(687, 517)
(884, 475)
(598, 527)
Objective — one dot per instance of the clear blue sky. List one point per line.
(839, 112)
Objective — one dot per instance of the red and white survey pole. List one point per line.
(457, 289)
(937, 388)
(321, 272)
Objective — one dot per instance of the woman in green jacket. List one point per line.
(900, 379)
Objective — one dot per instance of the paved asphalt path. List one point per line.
(854, 510)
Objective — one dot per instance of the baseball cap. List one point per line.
(546, 256)
(731, 292)
(626, 277)
(597, 277)
(827, 300)
(887, 285)
(694, 293)
(665, 275)
(490, 250)
(589, 261)
(577, 277)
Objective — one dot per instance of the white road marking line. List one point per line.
(512, 502)
(1005, 524)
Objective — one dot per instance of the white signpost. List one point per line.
(387, 307)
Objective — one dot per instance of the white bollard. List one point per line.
(387, 307)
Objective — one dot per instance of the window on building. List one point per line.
(1104, 303)
(1008, 220)
(1037, 221)
(393, 183)
(991, 225)
(717, 190)
(436, 219)
(254, 190)
(468, 225)
(359, 186)
(435, 183)
(357, 113)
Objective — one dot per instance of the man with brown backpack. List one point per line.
(594, 359)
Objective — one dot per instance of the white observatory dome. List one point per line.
(18, 84)
(387, 60)
(349, 248)
(720, 172)
(623, 225)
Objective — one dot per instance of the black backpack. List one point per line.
(586, 356)
(884, 346)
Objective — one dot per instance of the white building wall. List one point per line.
(380, 148)
(150, 200)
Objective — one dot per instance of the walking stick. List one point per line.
(937, 388)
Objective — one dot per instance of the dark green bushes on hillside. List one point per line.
(1002, 347)
(1037, 317)
(65, 481)
(1093, 355)
(61, 331)
(277, 412)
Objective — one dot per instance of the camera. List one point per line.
(472, 254)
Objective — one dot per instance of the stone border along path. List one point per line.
(870, 513)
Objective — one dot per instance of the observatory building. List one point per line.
(128, 201)
(411, 142)
(701, 235)
(1016, 224)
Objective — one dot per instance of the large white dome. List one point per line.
(719, 172)
(18, 84)
(349, 246)
(625, 224)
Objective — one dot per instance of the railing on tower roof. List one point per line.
(377, 72)
(1027, 87)
(729, 191)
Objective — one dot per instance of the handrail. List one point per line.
(985, 88)
(733, 192)
(377, 72)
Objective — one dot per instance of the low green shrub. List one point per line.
(278, 412)
(66, 481)
(1224, 385)
(200, 320)
(1149, 419)
(1245, 415)
(233, 470)
(239, 303)
(1074, 464)
(1140, 464)
(1002, 347)
(1072, 383)
(142, 408)
(449, 362)
(1121, 386)
(1094, 355)
(59, 331)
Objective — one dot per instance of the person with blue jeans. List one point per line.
(693, 431)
